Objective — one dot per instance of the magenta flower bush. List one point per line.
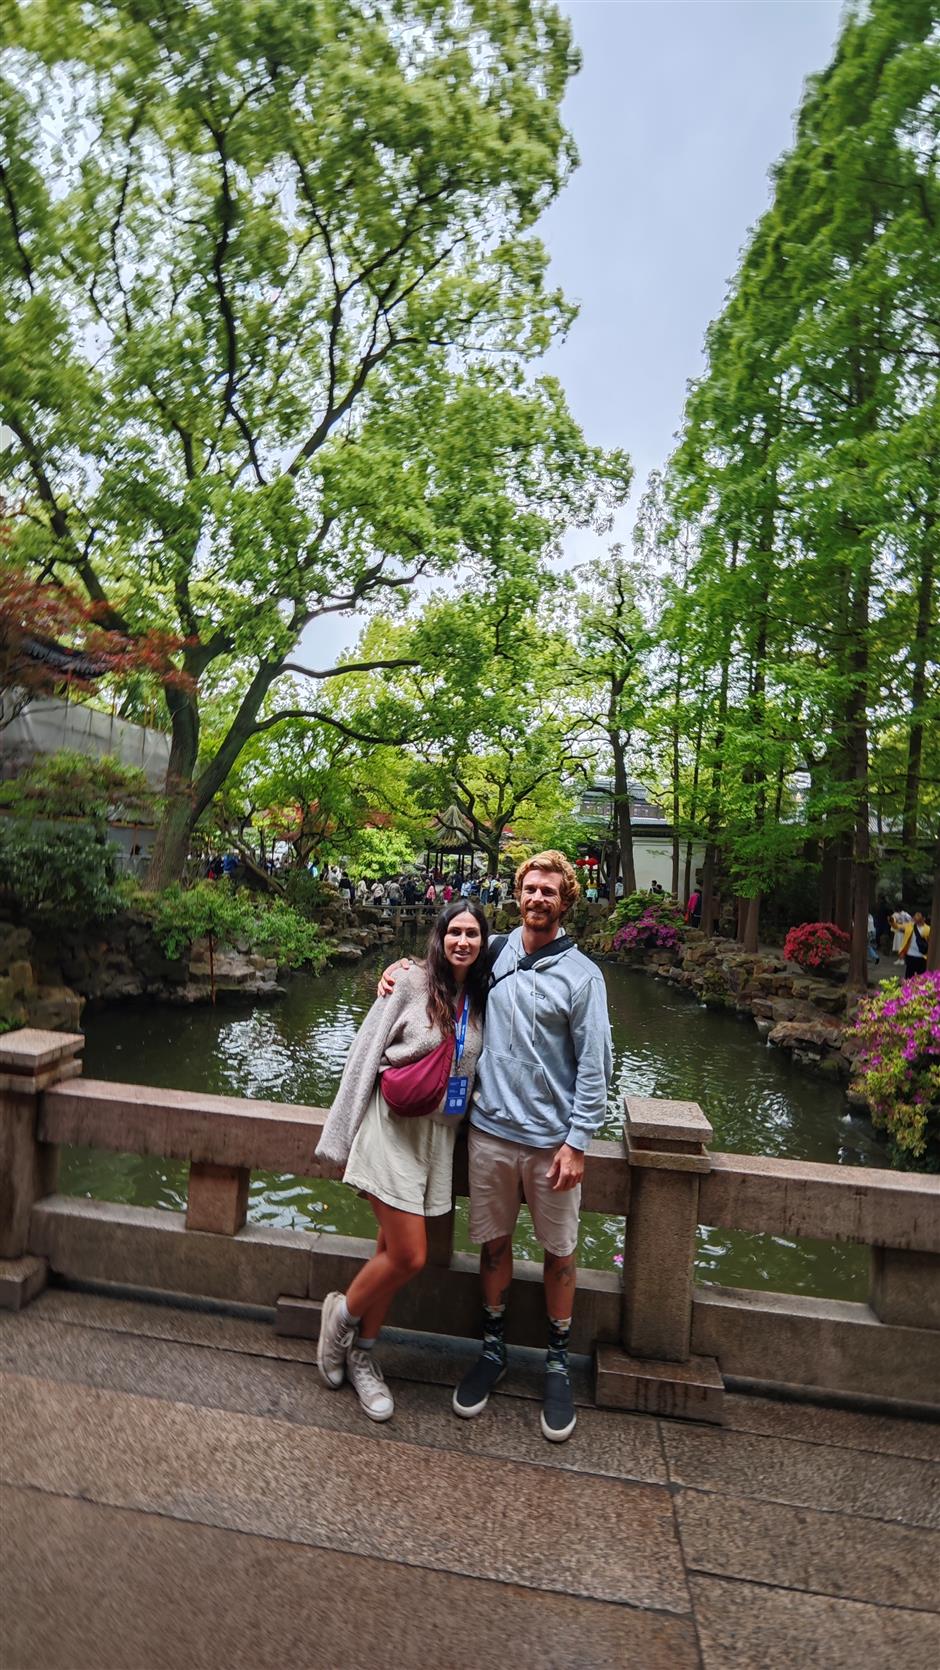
(815, 944)
(899, 1031)
(648, 933)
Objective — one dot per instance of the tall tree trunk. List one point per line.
(752, 923)
(693, 804)
(917, 656)
(933, 943)
(186, 798)
(842, 914)
(827, 881)
(613, 863)
(171, 846)
(677, 692)
(708, 888)
(857, 727)
(714, 807)
(624, 823)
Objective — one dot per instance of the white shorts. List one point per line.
(503, 1175)
(407, 1163)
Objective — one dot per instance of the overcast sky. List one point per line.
(679, 111)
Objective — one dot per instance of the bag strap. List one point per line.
(533, 959)
(493, 951)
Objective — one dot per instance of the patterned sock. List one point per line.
(494, 1343)
(349, 1321)
(559, 1331)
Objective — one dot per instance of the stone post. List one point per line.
(904, 1287)
(666, 1151)
(30, 1060)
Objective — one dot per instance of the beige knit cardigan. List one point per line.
(395, 1031)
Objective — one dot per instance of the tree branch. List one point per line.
(351, 667)
(25, 261)
(329, 719)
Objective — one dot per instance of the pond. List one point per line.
(665, 1044)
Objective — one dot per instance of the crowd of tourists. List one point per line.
(426, 889)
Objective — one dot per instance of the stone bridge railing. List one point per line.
(662, 1342)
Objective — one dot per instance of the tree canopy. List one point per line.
(272, 269)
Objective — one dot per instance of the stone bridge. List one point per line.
(753, 1482)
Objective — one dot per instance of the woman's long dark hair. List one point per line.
(442, 987)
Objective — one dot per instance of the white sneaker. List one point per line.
(369, 1383)
(334, 1342)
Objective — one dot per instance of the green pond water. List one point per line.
(758, 1101)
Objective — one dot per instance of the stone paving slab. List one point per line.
(849, 1428)
(745, 1627)
(821, 1476)
(93, 1588)
(796, 1548)
(605, 1442)
(432, 1359)
(463, 1514)
(245, 1498)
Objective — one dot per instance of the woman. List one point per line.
(403, 1166)
(914, 945)
(899, 921)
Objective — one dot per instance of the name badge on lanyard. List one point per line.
(455, 1102)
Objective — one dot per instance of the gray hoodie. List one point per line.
(546, 1063)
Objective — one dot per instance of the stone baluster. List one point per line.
(217, 1199)
(904, 1287)
(666, 1147)
(30, 1061)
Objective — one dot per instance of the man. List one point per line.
(540, 1096)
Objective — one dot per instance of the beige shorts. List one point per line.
(502, 1176)
(407, 1163)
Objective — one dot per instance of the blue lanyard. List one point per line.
(460, 1032)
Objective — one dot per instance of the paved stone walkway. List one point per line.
(180, 1491)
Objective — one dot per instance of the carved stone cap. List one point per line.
(660, 1123)
(30, 1049)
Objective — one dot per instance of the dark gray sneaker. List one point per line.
(473, 1393)
(558, 1419)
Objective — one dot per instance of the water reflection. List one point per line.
(664, 1045)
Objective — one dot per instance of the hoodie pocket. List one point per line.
(519, 1094)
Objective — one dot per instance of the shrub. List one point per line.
(899, 1030)
(214, 910)
(815, 944)
(68, 785)
(653, 930)
(306, 893)
(637, 905)
(65, 875)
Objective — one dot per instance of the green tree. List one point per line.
(807, 455)
(272, 272)
(610, 673)
(486, 708)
